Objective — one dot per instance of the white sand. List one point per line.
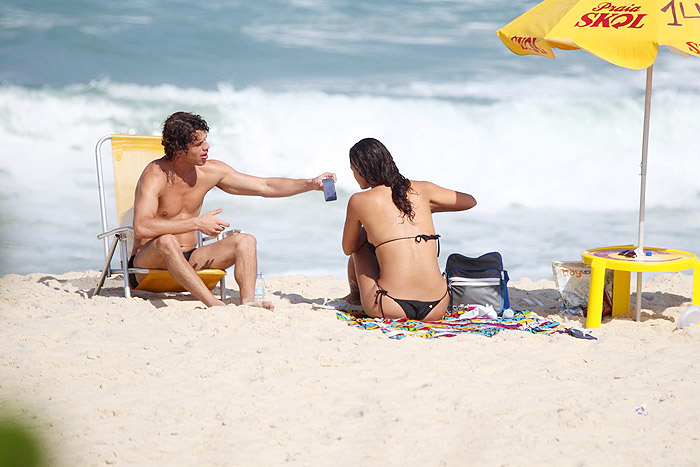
(159, 380)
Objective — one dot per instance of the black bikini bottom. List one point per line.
(414, 309)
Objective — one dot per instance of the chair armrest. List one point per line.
(130, 231)
(118, 230)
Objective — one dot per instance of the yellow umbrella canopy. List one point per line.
(624, 33)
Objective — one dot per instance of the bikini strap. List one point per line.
(378, 295)
(425, 238)
(447, 290)
(418, 239)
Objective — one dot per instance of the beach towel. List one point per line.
(453, 323)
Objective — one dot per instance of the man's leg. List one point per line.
(165, 252)
(241, 250)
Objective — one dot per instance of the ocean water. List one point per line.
(551, 149)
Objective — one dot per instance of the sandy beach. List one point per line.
(160, 380)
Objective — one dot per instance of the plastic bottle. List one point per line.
(690, 316)
(259, 287)
(508, 313)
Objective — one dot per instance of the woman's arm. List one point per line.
(444, 200)
(354, 236)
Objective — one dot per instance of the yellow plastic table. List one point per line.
(655, 260)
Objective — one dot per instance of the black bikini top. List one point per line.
(417, 238)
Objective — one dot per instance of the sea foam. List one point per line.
(537, 152)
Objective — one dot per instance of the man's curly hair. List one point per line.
(179, 131)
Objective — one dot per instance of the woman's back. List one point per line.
(408, 267)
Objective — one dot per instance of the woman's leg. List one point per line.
(354, 296)
(366, 270)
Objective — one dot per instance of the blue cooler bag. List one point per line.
(477, 281)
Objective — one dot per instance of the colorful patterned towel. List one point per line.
(452, 324)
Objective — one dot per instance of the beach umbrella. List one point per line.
(625, 33)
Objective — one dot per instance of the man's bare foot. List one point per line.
(260, 304)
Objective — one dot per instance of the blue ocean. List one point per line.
(550, 149)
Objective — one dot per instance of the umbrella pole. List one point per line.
(642, 194)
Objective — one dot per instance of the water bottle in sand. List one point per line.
(259, 287)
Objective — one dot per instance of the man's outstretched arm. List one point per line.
(237, 183)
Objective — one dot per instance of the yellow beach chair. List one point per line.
(130, 155)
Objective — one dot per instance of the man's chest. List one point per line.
(181, 198)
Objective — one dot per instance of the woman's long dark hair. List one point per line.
(374, 163)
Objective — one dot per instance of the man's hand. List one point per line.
(318, 181)
(209, 224)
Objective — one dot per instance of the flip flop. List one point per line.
(581, 333)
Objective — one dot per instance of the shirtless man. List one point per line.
(167, 207)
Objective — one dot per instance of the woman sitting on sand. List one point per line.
(389, 235)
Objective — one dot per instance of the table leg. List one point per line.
(638, 299)
(696, 284)
(595, 294)
(621, 292)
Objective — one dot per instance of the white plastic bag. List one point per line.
(573, 279)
